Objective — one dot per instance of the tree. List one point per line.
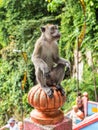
(20, 27)
(72, 20)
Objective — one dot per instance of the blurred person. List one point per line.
(20, 125)
(85, 95)
(76, 115)
(79, 102)
(12, 125)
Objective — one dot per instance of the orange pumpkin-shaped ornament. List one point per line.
(46, 110)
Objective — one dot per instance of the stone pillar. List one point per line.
(66, 124)
(47, 110)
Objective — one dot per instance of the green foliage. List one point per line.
(11, 75)
(71, 23)
(72, 19)
(55, 5)
(70, 89)
(19, 29)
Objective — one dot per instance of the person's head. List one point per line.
(11, 122)
(75, 108)
(79, 94)
(20, 125)
(85, 94)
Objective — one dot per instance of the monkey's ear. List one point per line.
(43, 29)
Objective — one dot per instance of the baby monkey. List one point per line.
(49, 67)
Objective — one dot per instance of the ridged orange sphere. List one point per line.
(38, 99)
(46, 110)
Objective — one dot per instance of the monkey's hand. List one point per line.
(68, 69)
(63, 62)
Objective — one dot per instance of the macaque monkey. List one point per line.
(49, 67)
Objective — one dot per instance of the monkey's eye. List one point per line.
(52, 28)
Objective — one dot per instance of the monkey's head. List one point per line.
(51, 32)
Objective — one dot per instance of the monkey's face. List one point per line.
(51, 32)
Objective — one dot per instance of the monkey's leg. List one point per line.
(57, 75)
(41, 79)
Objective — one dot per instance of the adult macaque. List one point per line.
(49, 67)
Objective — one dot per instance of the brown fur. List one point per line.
(49, 67)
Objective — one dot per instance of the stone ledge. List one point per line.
(66, 124)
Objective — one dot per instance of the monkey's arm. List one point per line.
(59, 60)
(37, 60)
(63, 61)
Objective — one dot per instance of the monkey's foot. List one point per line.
(49, 91)
(59, 88)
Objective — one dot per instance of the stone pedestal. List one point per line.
(66, 124)
(47, 110)
(46, 114)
